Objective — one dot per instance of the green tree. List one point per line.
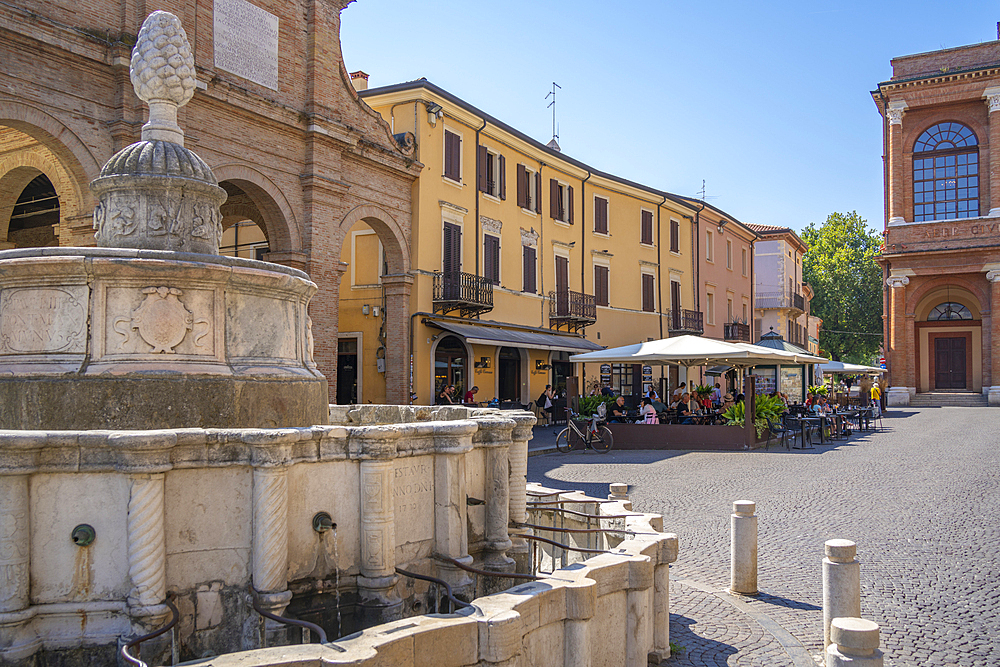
(847, 285)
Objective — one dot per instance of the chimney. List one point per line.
(360, 80)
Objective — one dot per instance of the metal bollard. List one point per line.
(855, 644)
(841, 584)
(743, 548)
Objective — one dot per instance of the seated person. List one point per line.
(470, 396)
(619, 412)
(727, 401)
(683, 412)
(657, 405)
(444, 398)
(648, 413)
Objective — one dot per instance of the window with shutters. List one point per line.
(601, 287)
(490, 170)
(729, 310)
(648, 293)
(646, 228)
(744, 251)
(529, 270)
(600, 215)
(451, 254)
(709, 247)
(710, 308)
(675, 236)
(491, 258)
(560, 201)
(452, 156)
(529, 187)
(729, 254)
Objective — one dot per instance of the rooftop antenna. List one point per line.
(701, 193)
(555, 134)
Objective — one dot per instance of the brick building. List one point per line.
(275, 116)
(941, 261)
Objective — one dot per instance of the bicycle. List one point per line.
(597, 436)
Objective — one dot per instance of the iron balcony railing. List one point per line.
(572, 306)
(462, 291)
(780, 300)
(798, 302)
(691, 321)
(737, 331)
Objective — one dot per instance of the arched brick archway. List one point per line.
(397, 284)
(394, 239)
(270, 209)
(916, 297)
(47, 147)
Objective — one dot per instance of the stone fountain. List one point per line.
(153, 329)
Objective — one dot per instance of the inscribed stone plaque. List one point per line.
(246, 41)
(413, 497)
(43, 320)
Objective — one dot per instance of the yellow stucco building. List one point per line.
(522, 256)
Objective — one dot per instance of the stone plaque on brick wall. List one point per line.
(246, 41)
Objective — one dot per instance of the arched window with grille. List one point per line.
(946, 173)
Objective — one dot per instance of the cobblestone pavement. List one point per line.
(920, 499)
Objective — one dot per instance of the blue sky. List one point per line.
(768, 102)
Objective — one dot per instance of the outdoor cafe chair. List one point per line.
(783, 431)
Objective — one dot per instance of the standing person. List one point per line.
(717, 394)
(544, 402)
(680, 390)
(876, 395)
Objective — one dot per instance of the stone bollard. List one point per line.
(854, 644)
(841, 584)
(743, 548)
(619, 492)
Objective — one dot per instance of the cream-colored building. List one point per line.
(522, 256)
(781, 297)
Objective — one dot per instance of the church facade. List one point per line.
(941, 259)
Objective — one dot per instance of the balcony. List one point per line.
(573, 310)
(791, 300)
(736, 331)
(465, 292)
(686, 322)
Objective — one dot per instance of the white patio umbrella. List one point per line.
(840, 367)
(692, 351)
(787, 357)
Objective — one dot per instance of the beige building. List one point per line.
(781, 298)
(523, 256)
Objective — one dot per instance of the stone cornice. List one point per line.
(157, 451)
(944, 77)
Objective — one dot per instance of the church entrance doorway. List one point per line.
(949, 363)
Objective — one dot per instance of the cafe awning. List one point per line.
(485, 334)
(842, 368)
(694, 351)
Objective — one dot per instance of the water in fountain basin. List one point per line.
(336, 592)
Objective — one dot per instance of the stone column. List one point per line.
(494, 435)
(992, 97)
(397, 356)
(269, 548)
(994, 278)
(661, 596)
(638, 611)
(581, 605)
(841, 584)
(379, 602)
(17, 639)
(899, 393)
(517, 455)
(451, 529)
(894, 114)
(147, 554)
(743, 548)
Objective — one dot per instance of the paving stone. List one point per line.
(918, 499)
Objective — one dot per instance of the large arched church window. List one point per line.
(949, 311)
(946, 173)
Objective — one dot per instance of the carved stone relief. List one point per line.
(163, 322)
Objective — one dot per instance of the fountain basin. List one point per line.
(140, 339)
